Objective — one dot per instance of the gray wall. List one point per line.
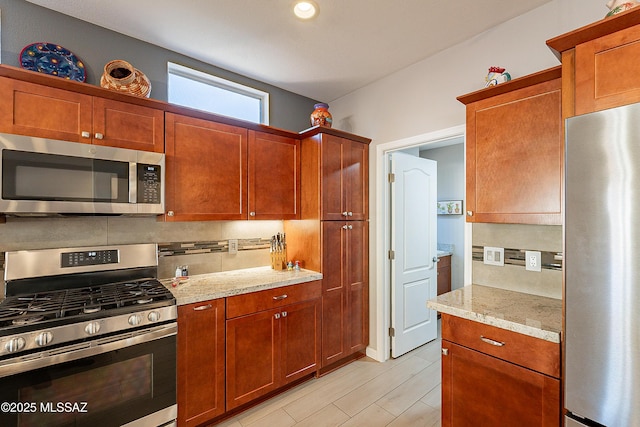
(24, 23)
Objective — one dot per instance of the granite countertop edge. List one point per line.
(505, 321)
(205, 287)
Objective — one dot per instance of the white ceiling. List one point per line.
(350, 44)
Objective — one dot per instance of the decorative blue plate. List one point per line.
(52, 59)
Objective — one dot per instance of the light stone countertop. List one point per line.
(444, 253)
(203, 287)
(536, 316)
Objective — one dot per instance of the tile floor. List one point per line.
(399, 392)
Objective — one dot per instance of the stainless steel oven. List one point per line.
(93, 345)
(41, 176)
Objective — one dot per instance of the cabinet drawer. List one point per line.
(240, 305)
(529, 352)
(444, 261)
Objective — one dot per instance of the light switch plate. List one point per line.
(233, 246)
(494, 256)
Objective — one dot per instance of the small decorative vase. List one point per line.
(321, 115)
(496, 76)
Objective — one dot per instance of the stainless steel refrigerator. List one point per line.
(602, 268)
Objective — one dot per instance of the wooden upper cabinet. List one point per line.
(600, 64)
(344, 179)
(206, 172)
(127, 126)
(514, 154)
(607, 70)
(48, 112)
(274, 176)
(44, 112)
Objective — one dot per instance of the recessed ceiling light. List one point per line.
(305, 9)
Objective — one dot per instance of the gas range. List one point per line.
(41, 312)
(92, 327)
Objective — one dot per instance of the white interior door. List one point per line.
(414, 244)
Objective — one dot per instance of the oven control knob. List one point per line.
(92, 328)
(153, 316)
(44, 338)
(15, 344)
(135, 319)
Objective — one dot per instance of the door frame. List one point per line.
(381, 241)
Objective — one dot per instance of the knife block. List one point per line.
(279, 260)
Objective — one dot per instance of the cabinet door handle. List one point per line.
(345, 213)
(344, 227)
(350, 213)
(170, 213)
(277, 315)
(280, 297)
(98, 135)
(445, 351)
(492, 342)
(202, 307)
(252, 214)
(284, 314)
(469, 213)
(85, 134)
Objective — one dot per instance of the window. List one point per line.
(203, 91)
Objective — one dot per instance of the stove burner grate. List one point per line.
(33, 308)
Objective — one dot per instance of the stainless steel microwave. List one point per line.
(45, 177)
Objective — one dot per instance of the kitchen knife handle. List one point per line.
(492, 342)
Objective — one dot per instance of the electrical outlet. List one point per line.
(233, 246)
(494, 256)
(533, 260)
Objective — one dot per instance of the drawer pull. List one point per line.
(277, 315)
(445, 351)
(202, 307)
(284, 314)
(492, 342)
(280, 297)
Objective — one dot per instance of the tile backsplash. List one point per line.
(172, 237)
(513, 276)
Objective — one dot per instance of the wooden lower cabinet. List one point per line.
(201, 345)
(502, 386)
(480, 390)
(270, 348)
(444, 274)
(345, 296)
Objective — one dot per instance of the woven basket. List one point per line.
(121, 76)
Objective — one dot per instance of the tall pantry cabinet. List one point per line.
(332, 237)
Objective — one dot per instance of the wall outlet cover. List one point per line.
(533, 260)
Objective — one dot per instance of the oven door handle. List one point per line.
(68, 353)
